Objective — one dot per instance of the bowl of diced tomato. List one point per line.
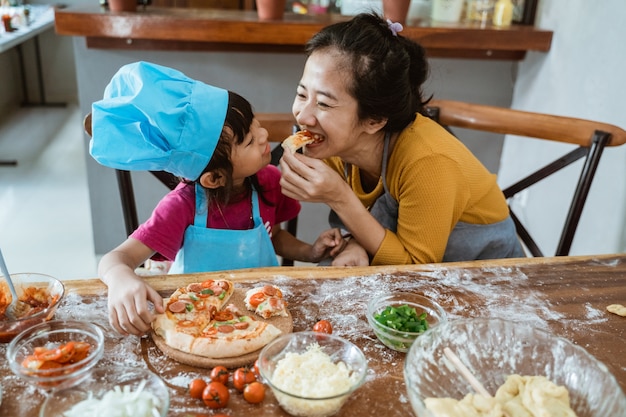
(398, 318)
(57, 354)
(39, 296)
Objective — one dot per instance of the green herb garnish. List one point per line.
(403, 319)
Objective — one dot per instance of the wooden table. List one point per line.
(566, 295)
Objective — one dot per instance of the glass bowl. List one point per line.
(101, 382)
(402, 340)
(52, 370)
(493, 349)
(44, 292)
(312, 374)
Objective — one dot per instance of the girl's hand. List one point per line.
(328, 244)
(352, 255)
(129, 311)
(309, 179)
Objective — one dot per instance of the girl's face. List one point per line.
(323, 106)
(252, 154)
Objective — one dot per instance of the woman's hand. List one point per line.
(311, 180)
(352, 255)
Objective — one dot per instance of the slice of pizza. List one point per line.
(266, 301)
(231, 334)
(299, 140)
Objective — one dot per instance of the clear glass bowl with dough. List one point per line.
(312, 374)
(493, 349)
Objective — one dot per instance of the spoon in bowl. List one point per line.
(12, 309)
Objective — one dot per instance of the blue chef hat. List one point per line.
(154, 118)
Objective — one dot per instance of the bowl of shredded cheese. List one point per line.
(312, 374)
(111, 391)
(398, 318)
(524, 371)
(56, 354)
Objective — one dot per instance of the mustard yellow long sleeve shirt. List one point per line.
(437, 182)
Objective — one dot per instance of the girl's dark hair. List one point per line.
(239, 116)
(388, 71)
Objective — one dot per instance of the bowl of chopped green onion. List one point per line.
(398, 318)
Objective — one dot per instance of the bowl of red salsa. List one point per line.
(39, 296)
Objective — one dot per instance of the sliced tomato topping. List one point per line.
(67, 352)
(208, 283)
(257, 299)
(224, 316)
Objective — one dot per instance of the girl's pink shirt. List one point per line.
(164, 231)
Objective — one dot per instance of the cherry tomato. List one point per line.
(323, 326)
(257, 373)
(254, 392)
(243, 377)
(196, 388)
(220, 374)
(215, 395)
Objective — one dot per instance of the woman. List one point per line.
(404, 189)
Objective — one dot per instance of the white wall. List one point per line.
(582, 76)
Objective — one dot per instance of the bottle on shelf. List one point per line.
(502, 13)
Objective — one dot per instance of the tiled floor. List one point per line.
(45, 220)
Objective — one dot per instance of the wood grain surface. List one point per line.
(564, 295)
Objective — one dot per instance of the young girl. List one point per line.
(227, 210)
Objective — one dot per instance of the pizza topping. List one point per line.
(266, 301)
(269, 290)
(177, 307)
(226, 328)
(242, 325)
(224, 316)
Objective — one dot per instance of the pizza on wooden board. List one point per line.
(208, 320)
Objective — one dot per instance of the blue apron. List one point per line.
(207, 250)
(467, 242)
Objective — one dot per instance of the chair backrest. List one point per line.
(279, 126)
(591, 138)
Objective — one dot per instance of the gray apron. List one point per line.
(466, 242)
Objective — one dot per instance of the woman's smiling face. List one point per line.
(323, 105)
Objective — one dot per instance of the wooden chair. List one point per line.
(590, 136)
(279, 126)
